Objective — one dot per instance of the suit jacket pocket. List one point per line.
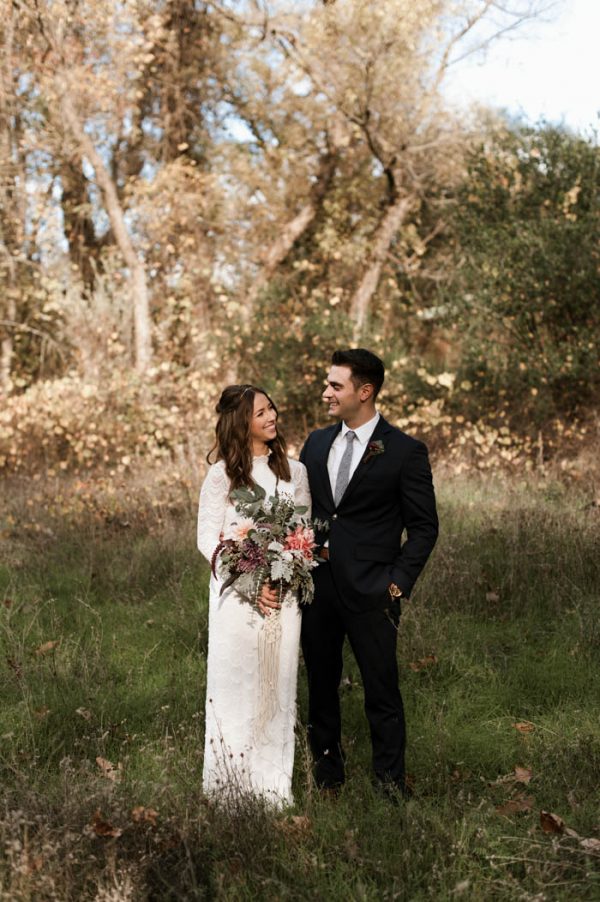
(382, 554)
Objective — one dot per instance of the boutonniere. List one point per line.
(373, 450)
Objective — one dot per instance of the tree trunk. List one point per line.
(8, 214)
(293, 230)
(382, 240)
(137, 274)
(7, 351)
(84, 246)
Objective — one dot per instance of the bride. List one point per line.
(245, 749)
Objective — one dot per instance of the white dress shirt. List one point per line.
(359, 446)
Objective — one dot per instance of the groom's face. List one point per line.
(342, 397)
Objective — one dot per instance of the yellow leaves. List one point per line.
(142, 815)
(423, 663)
(446, 380)
(45, 647)
(591, 845)
(519, 774)
(570, 200)
(78, 426)
(523, 774)
(109, 770)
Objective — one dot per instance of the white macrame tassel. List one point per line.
(269, 645)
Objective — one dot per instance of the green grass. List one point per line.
(509, 607)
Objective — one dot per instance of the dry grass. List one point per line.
(503, 630)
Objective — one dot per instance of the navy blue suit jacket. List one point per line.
(388, 493)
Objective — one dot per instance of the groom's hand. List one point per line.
(268, 600)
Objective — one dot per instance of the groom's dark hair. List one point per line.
(364, 366)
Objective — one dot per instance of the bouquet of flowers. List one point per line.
(271, 541)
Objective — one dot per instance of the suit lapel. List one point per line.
(323, 473)
(364, 466)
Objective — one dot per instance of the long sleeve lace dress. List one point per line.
(242, 752)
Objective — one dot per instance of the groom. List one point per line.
(370, 482)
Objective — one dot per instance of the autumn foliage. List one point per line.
(194, 194)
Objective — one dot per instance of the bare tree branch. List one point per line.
(137, 275)
(381, 241)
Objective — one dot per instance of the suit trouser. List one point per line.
(372, 635)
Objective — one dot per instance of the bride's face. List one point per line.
(263, 425)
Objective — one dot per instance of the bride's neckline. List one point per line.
(260, 457)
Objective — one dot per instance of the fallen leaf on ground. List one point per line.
(42, 712)
(519, 775)
(144, 815)
(8, 602)
(492, 596)
(108, 769)
(427, 661)
(524, 726)
(551, 823)
(516, 805)
(102, 827)
(294, 825)
(591, 844)
(461, 887)
(46, 647)
(83, 712)
(523, 774)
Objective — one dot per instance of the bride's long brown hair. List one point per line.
(233, 444)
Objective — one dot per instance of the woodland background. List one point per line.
(196, 193)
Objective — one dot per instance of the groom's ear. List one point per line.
(367, 391)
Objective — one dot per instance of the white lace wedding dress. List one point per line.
(241, 751)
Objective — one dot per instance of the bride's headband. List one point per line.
(232, 403)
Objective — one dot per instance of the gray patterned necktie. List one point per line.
(343, 476)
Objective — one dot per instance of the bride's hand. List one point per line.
(268, 600)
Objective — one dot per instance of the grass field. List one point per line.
(103, 634)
